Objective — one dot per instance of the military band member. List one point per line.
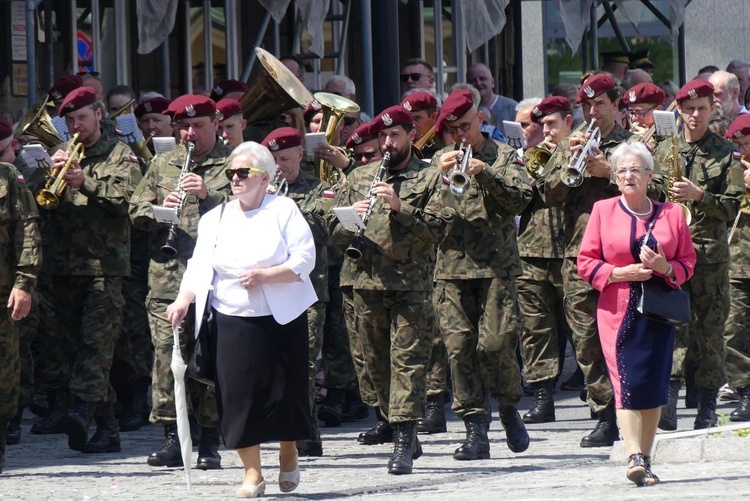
(424, 108)
(711, 186)
(205, 186)
(232, 124)
(62, 87)
(228, 89)
(364, 145)
(152, 120)
(641, 101)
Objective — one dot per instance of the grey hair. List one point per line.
(475, 97)
(736, 65)
(261, 157)
(528, 103)
(637, 149)
(349, 86)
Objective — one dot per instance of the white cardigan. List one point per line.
(276, 216)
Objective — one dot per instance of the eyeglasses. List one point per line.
(413, 76)
(625, 172)
(242, 172)
(93, 74)
(463, 127)
(366, 155)
(349, 121)
(639, 113)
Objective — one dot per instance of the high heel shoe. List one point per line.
(637, 468)
(249, 490)
(291, 477)
(650, 478)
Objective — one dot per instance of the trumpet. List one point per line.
(49, 196)
(278, 186)
(572, 175)
(536, 158)
(353, 251)
(460, 182)
(169, 248)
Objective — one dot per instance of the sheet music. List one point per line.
(36, 156)
(164, 144)
(349, 218)
(514, 133)
(165, 214)
(62, 128)
(312, 141)
(666, 123)
(128, 125)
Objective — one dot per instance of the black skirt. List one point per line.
(261, 379)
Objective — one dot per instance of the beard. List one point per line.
(398, 156)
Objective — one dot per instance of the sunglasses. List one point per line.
(412, 76)
(242, 172)
(349, 121)
(366, 155)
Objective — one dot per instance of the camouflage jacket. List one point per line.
(578, 202)
(398, 251)
(541, 230)
(739, 248)
(20, 243)
(482, 240)
(160, 180)
(308, 192)
(710, 164)
(90, 230)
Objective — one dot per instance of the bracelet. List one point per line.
(669, 270)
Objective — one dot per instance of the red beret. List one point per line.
(695, 89)
(739, 128)
(282, 138)
(191, 106)
(153, 105)
(6, 129)
(644, 93)
(224, 87)
(63, 86)
(313, 108)
(419, 101)
(549, 105)
(595, 85)
(361, 135)
(391, 117)
(454, 107)
(229, 108)
(77, 99)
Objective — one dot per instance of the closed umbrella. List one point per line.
(178, 367)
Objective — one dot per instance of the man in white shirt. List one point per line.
(502, 108)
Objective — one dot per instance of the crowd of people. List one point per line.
(474, 264)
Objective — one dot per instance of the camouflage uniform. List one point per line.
(581, 299)
(475, 291)
(165, 274)
(392, 282)
(709, 164)
(737, 335)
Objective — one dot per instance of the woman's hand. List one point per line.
(177, 311)
(631, 273)
(656, 261)
(253, 278)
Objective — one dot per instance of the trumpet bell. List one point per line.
(459, 183)
(572, 177)
(47, 200)
(535, 159)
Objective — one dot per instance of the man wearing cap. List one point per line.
(641, 101)
(87, 258)
(205, 187)
(616, 63)
(640, 60)
(62, 87)
(423, 107)
(475, 288)
(364, 145)
(711, 187)
(152, 120)
(232, 124)
(393, 277)
(599, 99)
(540, 294)
(229, 89)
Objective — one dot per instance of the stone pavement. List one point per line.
(554, 467)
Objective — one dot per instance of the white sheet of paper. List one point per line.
(164, 144)
(36, 156)
(128, 125)
(61, 127)
(312, 141)
(514, 134)
(349, 218)
(666, 123)
(165, 214)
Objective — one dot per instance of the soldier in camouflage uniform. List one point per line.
(599, 101)
(205, 186)
(393, 277)
(88, 258)
(641, 101)
(21, 260)
(711, 187)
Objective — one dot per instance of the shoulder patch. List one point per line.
(446, 179)
(119, 132)
(329, 194)
(133, 158)
(21, 179)
(737, 155)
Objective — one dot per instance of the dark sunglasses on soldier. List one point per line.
(413, 76)
(366, 155)
(349, 121)
(242, 172)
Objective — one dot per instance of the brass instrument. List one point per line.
(49, 196)
(744, 205)
(650, 132)
(425, 140)
(460, 182)
(140, 148)
(675, 174)
(38, 123)
(335, 109)
(353, 251)
(123, 110)
(536, 158)
(278, 186)
(573, 174)
(169, 248)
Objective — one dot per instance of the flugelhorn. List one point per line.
(536, 158)
(573, 174)
(169, 249)
(353, 251)
(460, 182)
(49, 196)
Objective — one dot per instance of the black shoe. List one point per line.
(406, 449)
(668, 419)
(39, 406)
(516, 436)
(605, 433)
(330, 411)
(106, 437)
(477, 445)
(575, 382)
(354, 408)
(381, 433)
(208, 450)
(13, 433)
(433, 420)
(584, 395)
(692, 390)
(131, 418)
(528, 389)
(313, 446)
(52, 422)
(706, 417)
(169, 455)
(76, 424)
(2, 447)
(543, 409)
(742, 413)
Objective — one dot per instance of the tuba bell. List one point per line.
(335, 109)
(38, 123)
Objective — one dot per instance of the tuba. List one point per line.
(335, 108)
(49, 196)
(38, 123)
(460, 182)
(536, 158)
(573, 174)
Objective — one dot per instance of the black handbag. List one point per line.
(659, 301)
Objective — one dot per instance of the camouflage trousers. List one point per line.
(737, 337)
(201, 397)
(366, 386)
(580, 310)
(316, 316)
(28, 328)
(396, 329)
(540, 300)
(10, 366)
(437, 368)
(52, 371)
(701, 342)
(89, 315)
(336, 351)
(478, 320)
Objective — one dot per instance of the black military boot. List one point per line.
(131, 418)
(13, 433)
(668, 419)
(543, 408)
(433, 420)
(169, 455)
(706, 417)
(39, 405)
(605, 433)
(742, 413)
(354, 408)
(406, 449)
(576, 382)
(208, 450)
(330, 411)
(76, 424)
(106, 438)
(477, 445)
(516, 436)
(313, 446)
(381, 433)
(52, 422)
(2, 445)
(692, 390)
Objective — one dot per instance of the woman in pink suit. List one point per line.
(613, 260)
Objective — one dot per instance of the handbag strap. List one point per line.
(221, 215)
(651, 222)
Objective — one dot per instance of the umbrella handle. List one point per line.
(176, 336)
